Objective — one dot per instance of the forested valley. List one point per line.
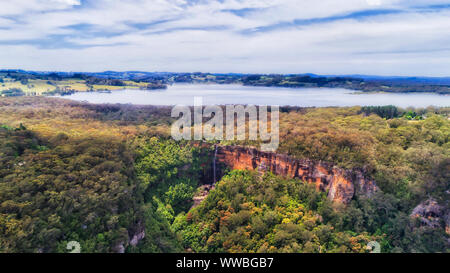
(111, 178)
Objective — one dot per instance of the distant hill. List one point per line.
(366, 83)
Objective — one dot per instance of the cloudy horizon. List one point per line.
(372, 37)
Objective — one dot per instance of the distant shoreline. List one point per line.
(18, 82)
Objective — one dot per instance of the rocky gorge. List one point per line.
(340, 184)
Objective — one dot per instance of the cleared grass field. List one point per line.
(35, 87)
(40, 87)
(111, 87)
(77, 85)
(136, 84)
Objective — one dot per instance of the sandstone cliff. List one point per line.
(341, 185)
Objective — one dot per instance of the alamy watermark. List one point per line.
(241, 122)
(374, 247)
(74, 246)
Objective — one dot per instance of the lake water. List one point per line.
(213, 94)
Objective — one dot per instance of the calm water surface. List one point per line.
(236, 94)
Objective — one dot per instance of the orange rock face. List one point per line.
(340, 184)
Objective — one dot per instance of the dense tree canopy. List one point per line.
(102, 174)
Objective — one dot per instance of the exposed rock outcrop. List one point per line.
(341, 185)
(119, 248)
(201, 195)
(431, 214)
(447, 223)
(135, 235)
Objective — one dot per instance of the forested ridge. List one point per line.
(104, 174)
(19, 82)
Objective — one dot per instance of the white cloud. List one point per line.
(17, 7)
(178, 35)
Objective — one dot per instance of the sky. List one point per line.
(328, 37)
